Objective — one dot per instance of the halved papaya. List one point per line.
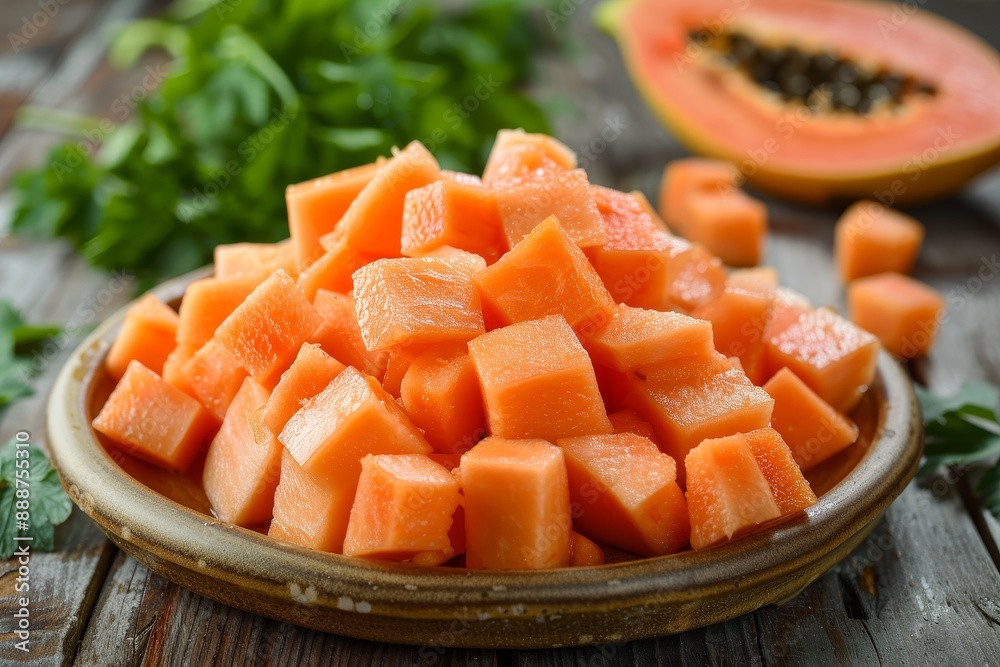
(815, 99)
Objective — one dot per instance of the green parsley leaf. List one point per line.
(27, 475)
(17, 338)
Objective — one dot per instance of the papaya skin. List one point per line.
(891, 180)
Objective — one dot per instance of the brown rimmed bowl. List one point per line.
(162, 520)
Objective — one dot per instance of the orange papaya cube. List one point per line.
(565, 195)
(904, 313)
(517, 505)
(538, 382)
(440, 393)
(634, 337)
(727, 494)
(310, 510)
(373, 223)
(870, 239)
(811, 428)
(395, 370)
(213, 376)
(255, 259)
(694, 276)
(786, 308)
(689, 400)
(334, 269)
(266, 331)
(244, 461)
(452, 213)
(316, 206)
(340, 335)
(545, 274)
(311, 372)
(790, 489)
(652, 212)
(624, 492)
(175, 363)
(414, 302)
(627, 421)
(208, 302)
(148, 335)
(583, 552)
(403, 508)
(731, 224)
(154, 421)
(518, 156)
(830, 354)
(683, 177)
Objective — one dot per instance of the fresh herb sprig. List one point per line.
(17, 338)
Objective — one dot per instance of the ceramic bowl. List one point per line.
(163, 521)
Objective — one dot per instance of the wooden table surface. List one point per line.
(923, 589)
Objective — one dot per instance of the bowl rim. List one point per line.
(192, 541)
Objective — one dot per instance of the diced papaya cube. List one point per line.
(374, 221)
(904, 313)
(334, 269)
(538, 382)
(213, 376)
(786, 308)
(583, 552)
(812, 429)
(831, 355)
(153, 420)
(627, 421)
(255, 259)
(414, 302)
(395, 370)
(452, 213)
(340, 335)
(174, 364)
(682, 177)
(244, 461)
(402, 510)
(311, 372)
(517, 505)
(634, 337)
(648, 208)
(518, 156)
(208, 302)
(565, 195)
(316, 206)
(625, 493)
(266, 331)
(694, 276)
(870, 239)
(739, 316)
(687, 401)
(729, 223)
(727, 494)
(148, 335)
(544, 274)
(310, 510)
(790, 489)
(440, 392)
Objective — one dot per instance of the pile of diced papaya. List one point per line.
(518, 371)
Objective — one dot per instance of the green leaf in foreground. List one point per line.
(27, 477)
(17, 337)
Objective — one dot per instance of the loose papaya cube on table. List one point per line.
(255, 259)
(452, 213)
(373, 222)
(266, 331)
(833, 356)
(627, 421)
(538, 382)
(413, 302)
(213, 376)
(517, 505)
(311, 372)
(545, 274)
(309, 509)
(634, 337)
(207, 303)
(904, 313)
(244, 461)
(316, 206)
(440, 393)
(148, 335)
(518, 156)
(154, 421)
(727, 494)
(625, 493)
(811, 428)
(870, 239)
(334, 269)
(583, 552)
(340, 336)
(681, 178)
(731, 224)
(790, 489)
(403, 510)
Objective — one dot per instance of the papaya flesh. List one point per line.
(818, 99)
